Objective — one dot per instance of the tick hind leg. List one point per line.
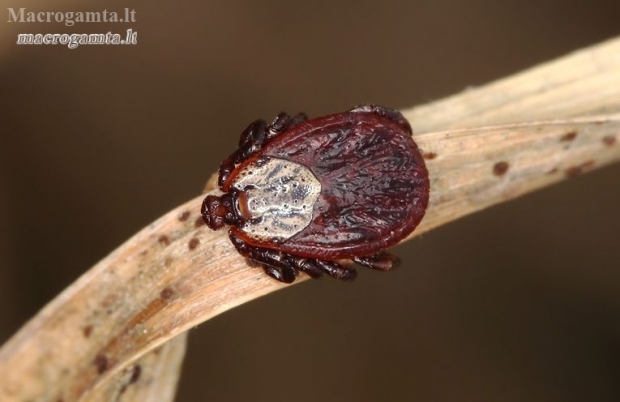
(381, 261)
(254, 138)
(284, 267)
(317, 268)
(336, 270)
(275, 263)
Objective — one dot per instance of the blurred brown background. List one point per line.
(517, 303)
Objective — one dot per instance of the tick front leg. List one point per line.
(254, 138)
(275, 263)
(251, 141)
(381, 261)
(283, 122)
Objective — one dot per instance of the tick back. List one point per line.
(301, 195)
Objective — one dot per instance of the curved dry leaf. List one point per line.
(586, 82)
(471, 169)
(152, 378)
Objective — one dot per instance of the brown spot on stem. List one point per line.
(193, 243)
(587, 165)
(571, 135)
(500, 168)
(199, 222)
(609, 140)
(166, 293)
(163, 239)
(101, 362)
(87, 331)
(135, 374)
(154, 307)
(553, 171)
(575, 171)
(183, 216)
(429, 155)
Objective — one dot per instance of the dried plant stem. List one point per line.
(176, 273)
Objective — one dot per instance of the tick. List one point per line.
(303, 195)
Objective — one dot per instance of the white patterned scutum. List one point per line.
(279, 198)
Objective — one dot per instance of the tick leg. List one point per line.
(281, 274)
(254, 135)
(381, 261)
(284, 267)
(251, 141)
(307, 266)
(391, 114)
(336, 270)
(275, 263)
(316, 268)
(284, 122)
(254, 138)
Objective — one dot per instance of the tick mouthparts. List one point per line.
(219, 211)
(213, 212)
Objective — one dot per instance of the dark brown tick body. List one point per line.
(300, 194)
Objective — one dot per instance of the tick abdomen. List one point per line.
(373, 178)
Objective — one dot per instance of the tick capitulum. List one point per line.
(300, 194)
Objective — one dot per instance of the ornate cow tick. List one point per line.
(301, 194)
